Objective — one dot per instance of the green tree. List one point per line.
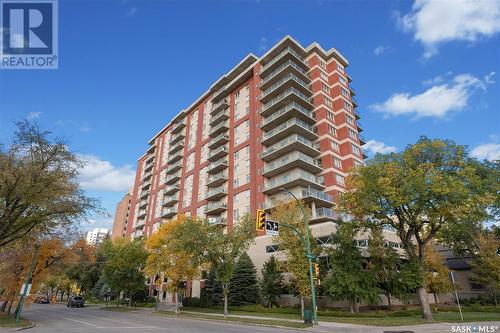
(293, 248)
(243, 287)
(211, 245)
(383, 263)
(437, 275)
(39, 189)
(486, 265)
(212, 292)
(125, 261)
(271, 283)
(422, 192)
(348, 279)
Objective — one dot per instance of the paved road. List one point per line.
(58, 318)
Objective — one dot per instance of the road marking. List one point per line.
(113, 327)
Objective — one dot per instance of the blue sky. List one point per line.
(126, 67)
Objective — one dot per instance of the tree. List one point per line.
(212, 246)
(39, 190)
(125, 261)
(243, 287)
(212, 292)
(486, 265)
(167, 256)
(293, 247)
(87, 267)
(271, 283)
(383, 263)
(422, 192)
(437, 275)
(348, 279)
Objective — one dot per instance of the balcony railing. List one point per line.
(173, 178)
(292, 158)
(288, 77)
(217, 179)
(277, 58)
(218, 140)
(218, 117)
(143, 203)
(274, 73)
(293, 178)
(141, 213)
(174, 167)
(222, 127)
(217, 220)
(216, 193)
(144, 194)
(217, 153)
(217, 166)
(170, 199)
(309, 145)
(215, 207)
(177, 137)
(312, 192)
(303, 128)
(292, 106)
(176, 148)
(222, 104)
(180, 125)
(325, 213)
(170, 189)
(278, 100)
(168, 212)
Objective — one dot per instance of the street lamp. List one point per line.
(309, 255)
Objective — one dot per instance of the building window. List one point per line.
(352, 134)
(323, 75)
(347, 106)
(335, 146)
(337, 162)
(339, 179)
(332, 130)
(328, 102)
(321, 64)
(340, 68)
(345, 93)
(329, 115)
(350, 121)
(325, 88)
(355, 149)
(342, 80)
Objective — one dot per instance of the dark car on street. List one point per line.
(77, 301)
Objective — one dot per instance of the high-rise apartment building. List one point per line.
(287, 120)
(122, 213)
(97, 236)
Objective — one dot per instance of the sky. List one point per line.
(425, 67)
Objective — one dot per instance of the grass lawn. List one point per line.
(9, 321)
(270, 322)
(376, 318)
(119, 308)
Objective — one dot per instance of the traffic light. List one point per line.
(260, 221)
(316, 269)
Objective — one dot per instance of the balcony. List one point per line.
(320, 198)
(353, 92)
(325, 214)
(174, 167)
(359, 126)
(215, 208)
(177, 137)
(170, 189)
(219, 94)
(168, 212)
(356, 114)
(176, 148)
(292, 179)
(364, 153)
(144, 194)
(285, 55)
(170, 200)
(148, 167)
(289, 80)
(172, 179)
(218, 153)
(286, 97)
(218, 117)
(143, 203)
(292, 110)
(218, 140)
(292, 143)
(172, 158)
(139, 223)
(146, 184)
(292, 126)
(219, 129)
(289, 66)
(141, 213)
(178, 126)
(354, 102)
(146, 175)
(149, 158)
(216, 193)
(290, 161)
(217, 179)
(362, 140)
(217, 166)
(217, 220)
(221, 105)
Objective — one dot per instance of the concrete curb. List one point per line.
(33, 324)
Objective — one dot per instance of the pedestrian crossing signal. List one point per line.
(260, 221)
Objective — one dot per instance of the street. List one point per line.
(59, 318)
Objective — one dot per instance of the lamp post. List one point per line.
(27, 283)
(309, 255)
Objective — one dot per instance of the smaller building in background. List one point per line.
(97, 236)
(121, 216)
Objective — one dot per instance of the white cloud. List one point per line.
(487, 151)
(434, 22)
(379, 50)
(132, 11)
(437, 101)
(33, 115)
(376, 147)
(101, 175)
(83, 127)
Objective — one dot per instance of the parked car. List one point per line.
(77, 301)
(42, 300)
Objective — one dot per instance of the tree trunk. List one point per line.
(389, 305)
(224, 287)
(356, 307)
(9, 308)
(352, 307)
(424, 303)
(494, 295)
(130, 299)
(436, 302)
(4, 306)
(177, 311)
(302, 306)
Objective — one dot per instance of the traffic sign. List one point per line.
(27, 290)
(272, 228)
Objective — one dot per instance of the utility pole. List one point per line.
(26, 284)
(309, 256)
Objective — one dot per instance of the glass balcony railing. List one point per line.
(288, 63)
(290, 177)
(312, 192)
(289, 158)
(277, 58)
(289, 123)
(291, 106)
(279, 83)
(287, 141)
(290, 91)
